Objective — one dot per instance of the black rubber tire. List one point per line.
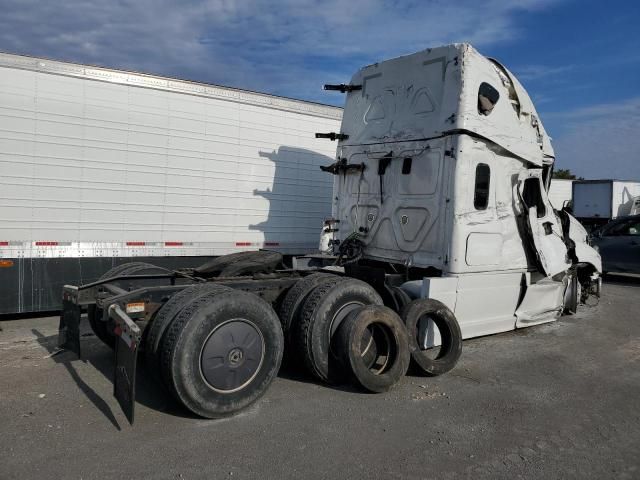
(241, 263)
(348, 343)
(317, 322)
(101, 328)
(183, 342)
(165, 316)
(290, 307)
(401, 297)
(450, 334)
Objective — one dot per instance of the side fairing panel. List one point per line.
(405, 98)
(490, 238)
(437, 91)
(514, 123)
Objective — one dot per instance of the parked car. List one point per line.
(619, 244)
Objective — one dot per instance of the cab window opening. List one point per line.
(481, 192)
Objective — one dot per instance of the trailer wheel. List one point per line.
(221, 352)
(321, 314)
(373, 348)
(165, 316)
(432, 360)
(290, 306)
(241, 263)
(102, 329)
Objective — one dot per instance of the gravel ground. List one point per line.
(560, 400)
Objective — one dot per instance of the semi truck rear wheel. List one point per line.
(221, 352)
(290, 306)
(102, 329)
(321, 314)
(165, 316)
(432, 360)
(372, 348)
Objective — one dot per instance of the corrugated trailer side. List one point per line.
(100, 166)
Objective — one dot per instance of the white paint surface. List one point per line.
(97, 162)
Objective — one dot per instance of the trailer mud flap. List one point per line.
(124, 378)
(69, 328)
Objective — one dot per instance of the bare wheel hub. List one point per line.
(235, 357)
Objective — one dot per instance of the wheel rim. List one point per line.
(342, 313)
(338, 318)
(232, 355)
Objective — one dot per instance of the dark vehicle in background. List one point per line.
(619, 244)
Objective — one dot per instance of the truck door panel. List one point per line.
(544, 228)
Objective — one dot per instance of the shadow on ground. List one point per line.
(149, 391)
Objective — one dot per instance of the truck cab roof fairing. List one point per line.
(430, 93)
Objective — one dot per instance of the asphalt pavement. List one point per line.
(560, 400)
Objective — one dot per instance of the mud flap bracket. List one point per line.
(70, 317)
(124, 377)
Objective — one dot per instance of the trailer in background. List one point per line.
(560, 192)
(100, 167)
(595, 202)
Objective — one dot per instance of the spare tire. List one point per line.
(372, 347)
(321, 314)
(165, 316)
(416, 316)
(221, 352)
(104, 329)
(241, 263)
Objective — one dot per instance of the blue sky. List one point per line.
(580, 60)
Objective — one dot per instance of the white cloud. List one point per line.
(287, 47)
(601, 141)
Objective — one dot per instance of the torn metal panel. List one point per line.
(542, 302)
(545, 229)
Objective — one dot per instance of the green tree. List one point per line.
(564, 173)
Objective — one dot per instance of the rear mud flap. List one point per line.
(124, 378)
(69, 328)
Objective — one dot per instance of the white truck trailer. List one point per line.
(595, 202)
(560, 192)
(441, 230)
(99, 167)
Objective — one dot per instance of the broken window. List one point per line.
(532, 196)
(487, 98)
(481, 193)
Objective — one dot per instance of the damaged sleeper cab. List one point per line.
(442, 230)
(463, 198)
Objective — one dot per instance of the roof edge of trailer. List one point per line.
(606, 180)
(159, 82)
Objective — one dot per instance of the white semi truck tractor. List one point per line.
(441, 230)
